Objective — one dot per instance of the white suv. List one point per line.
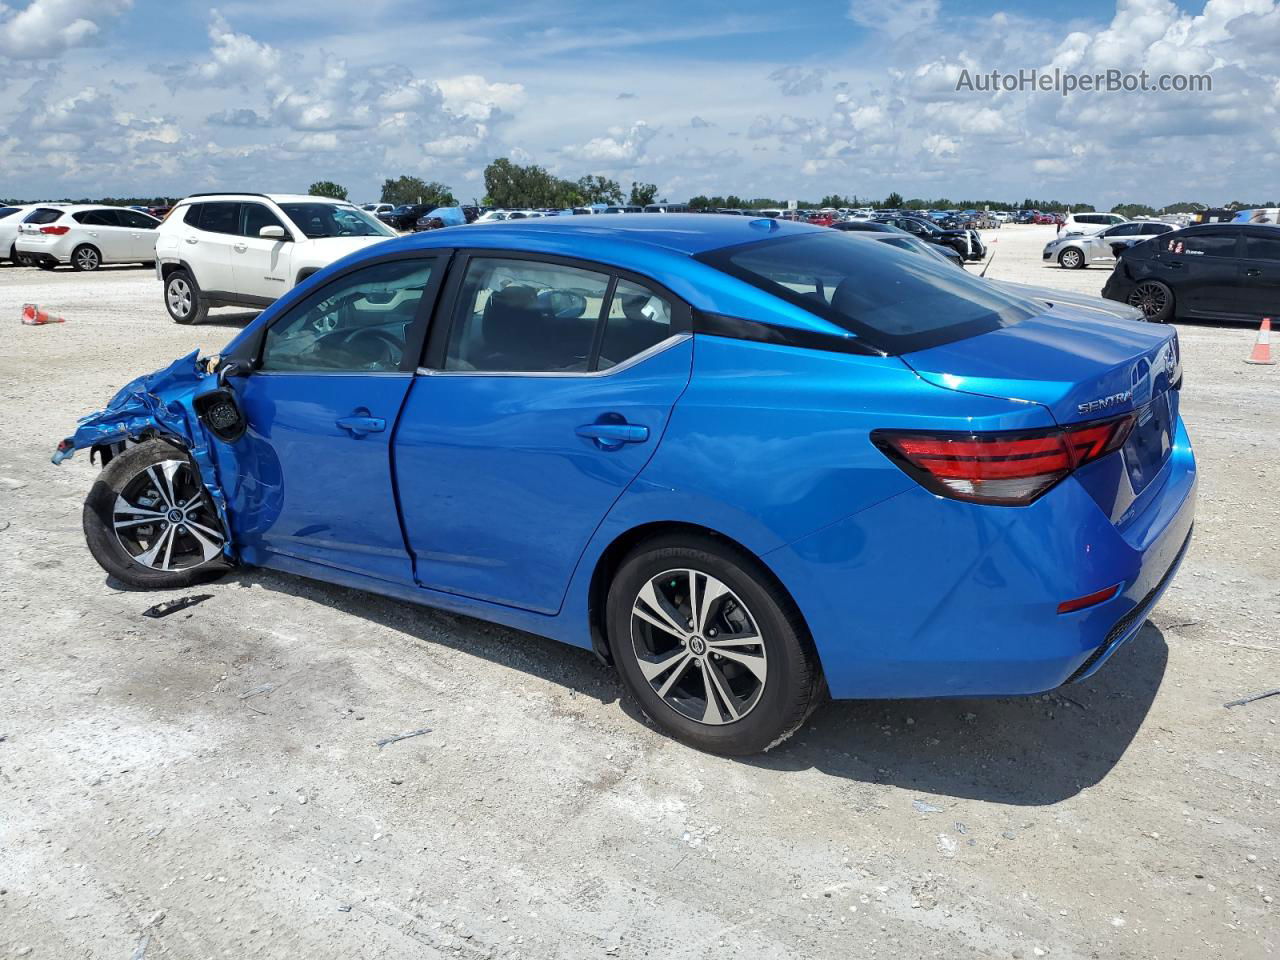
(248, 249)
(1087, 223)
(85, 236)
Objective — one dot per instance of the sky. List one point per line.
(759, 99)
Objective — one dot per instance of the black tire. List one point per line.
(182, 298)
(1072, 259)
(86, 258)
(1154, 299)
(126, 472)
(13, 254)
(792, 687)
(46, 264)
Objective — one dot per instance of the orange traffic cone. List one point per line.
(33, 316)
(1262, 347)
(29, 313)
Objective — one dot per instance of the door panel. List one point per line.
(102, 229)
(207, 246)
(1260, 274)
(1203, 270)
(260, 266)
(499, 487)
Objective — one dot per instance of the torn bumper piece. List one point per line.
(157, 405)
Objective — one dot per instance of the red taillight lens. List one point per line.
(56, 231)
(1010, 469)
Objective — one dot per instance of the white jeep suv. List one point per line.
(247, 249)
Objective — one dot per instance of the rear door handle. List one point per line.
(1253, 273)
(610, 436)
(358, 426)
(191, 239)
(1175, 264)
(240, 247)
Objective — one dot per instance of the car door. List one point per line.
(314, 466)
(104, 230)
(260, 265)
(1099, 246)
(208, 231)
(1202, 267)
(1260, 272)
(546, 390)
(142, 234)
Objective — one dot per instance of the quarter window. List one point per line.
(638, 319)
(357, 323)
(522, 316)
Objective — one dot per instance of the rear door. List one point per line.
(1260, 272)
(260, 266)
(546, 391)
(142, 234)
(209, 231)
(104, 229)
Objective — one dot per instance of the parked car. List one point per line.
(1087, 223)
(1044, 218)
(405, 216)
(10, 217)
(667, 208)
(377, 209)
(836, 497)
(966, 242)
(1211, 271)
(440, 217)
(86, 236)
(248, 249)
(1257, 215)
(1075, 251)
(897, 236)
(629, 208)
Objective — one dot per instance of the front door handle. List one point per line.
(358, 426)
(611, 436)
(240, 247)
(191, 239)
(1175, 264)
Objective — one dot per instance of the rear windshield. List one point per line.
(43, 215)
(8, 211)
(895, 300)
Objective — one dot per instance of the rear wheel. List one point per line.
(1154, 299)
(182, 298)
(710, 647)
(86, 258)
(1071, 259)
(150, 522)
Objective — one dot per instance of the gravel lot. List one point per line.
(208, 785)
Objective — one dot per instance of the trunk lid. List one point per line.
(1082, 366)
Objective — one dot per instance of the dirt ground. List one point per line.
(210, 785)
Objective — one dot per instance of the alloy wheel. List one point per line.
(698, 646)
(1071, 259)
(165, 520)
(87, 258)
(1150, 298)
(180, 298)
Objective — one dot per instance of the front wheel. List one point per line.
(1071, 259)
(710, 646)
(1154, 299)
(150, 522)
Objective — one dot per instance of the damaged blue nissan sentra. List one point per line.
(748, 462)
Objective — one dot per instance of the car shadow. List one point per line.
(1026, 751)
(239, 318)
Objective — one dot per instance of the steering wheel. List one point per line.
(384, 350)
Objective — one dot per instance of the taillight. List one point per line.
(1007, 468)
(56, 231)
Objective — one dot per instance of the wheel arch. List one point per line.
(607, 563)
(92, 246)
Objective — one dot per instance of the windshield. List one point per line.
(898, 301)
(317, 220)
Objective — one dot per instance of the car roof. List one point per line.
(687, 233)
(274, 197)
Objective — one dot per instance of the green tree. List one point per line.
(643, 193)
(414, 190)
(508, 184)
(327, 188)
(700, 202)
(597, 189)
(831, 200)
(1131, 210)
(894, 200)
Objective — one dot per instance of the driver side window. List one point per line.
(356, 324)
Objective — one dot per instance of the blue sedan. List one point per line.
(748, 462)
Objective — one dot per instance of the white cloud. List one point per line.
(46, 28)
(894, 17)
(236, 58)
(620, 148)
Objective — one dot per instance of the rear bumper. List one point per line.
(921, 596)
(43, 250)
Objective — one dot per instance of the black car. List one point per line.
(965, 242)
(1209, 271)
(893, 234)
(406, 215)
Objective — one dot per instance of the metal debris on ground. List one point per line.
(141, 950)
(404, 736)
(923, 807)
(259, 689)
(173, 606)
(1257, 696)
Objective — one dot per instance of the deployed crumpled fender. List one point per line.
(158, 404)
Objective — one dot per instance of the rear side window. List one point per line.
(525, 316)
(43, 215)
(220, 217)
(1262, 248)
(136, 220)
(1210, 244)
(1157, 228)
(896, 301)
(97, 218)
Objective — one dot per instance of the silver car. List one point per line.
(1075, 251)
